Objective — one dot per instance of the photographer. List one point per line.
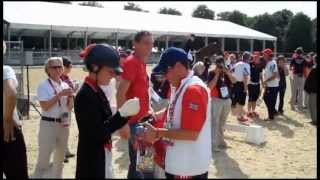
(219, 81)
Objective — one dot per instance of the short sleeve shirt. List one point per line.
(46, 92)
(240, 70)
(255, 71)
(8, 73)
(270, 68)
(134, 70)
(194, 108)
(298, 63)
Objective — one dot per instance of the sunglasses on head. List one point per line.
(56, 67)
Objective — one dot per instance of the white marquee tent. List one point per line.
(30, 18)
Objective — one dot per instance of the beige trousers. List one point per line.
(53, 138)
(220, 110)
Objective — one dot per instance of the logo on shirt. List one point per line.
(194, 106)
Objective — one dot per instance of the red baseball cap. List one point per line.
(267, 51)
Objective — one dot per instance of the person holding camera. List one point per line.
(298, 63)
(219, 82)
(56, 102)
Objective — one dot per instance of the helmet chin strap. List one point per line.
(96, 70)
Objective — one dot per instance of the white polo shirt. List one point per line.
(8, 73)
(270, 68)
(45, 92)
(240, 69)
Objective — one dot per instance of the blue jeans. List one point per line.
(132, 172)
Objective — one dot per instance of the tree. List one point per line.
(133, 7)
(171, 11)
(202, 11)
(251, 21)
(234, 16)
(281, 19)
(91, 3)
(299, 32)
(314, 34)
(265, 23)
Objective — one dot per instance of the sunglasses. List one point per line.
(56, 67)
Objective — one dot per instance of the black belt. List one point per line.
(51, 119)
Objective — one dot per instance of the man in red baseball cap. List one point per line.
(270, 82)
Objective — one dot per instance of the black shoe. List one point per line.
(66, 160)
(69, 155)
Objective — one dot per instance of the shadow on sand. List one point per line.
(275, 125)
(224, 164)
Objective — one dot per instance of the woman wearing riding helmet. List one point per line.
(93, 112)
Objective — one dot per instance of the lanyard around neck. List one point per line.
(55, 91)
(173, 104)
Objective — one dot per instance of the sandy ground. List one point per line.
(290, 150)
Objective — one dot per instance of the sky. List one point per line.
(251, 8)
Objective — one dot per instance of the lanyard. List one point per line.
(55, 91)
(173, 104)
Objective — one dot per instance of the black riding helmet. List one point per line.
(101, 55)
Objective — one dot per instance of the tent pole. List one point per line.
(238, 45)
(9, 39)
(275, 47)
(263, 44)
(68, 42)
(167, 41)
(251, 45)
(50, 42)
(206, 41)
(222, 44)
(117, 40)
(85, 39)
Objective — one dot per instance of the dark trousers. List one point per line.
(15, 157)
(282, 91)
(132, 171)
(270, 98)
(201, 176)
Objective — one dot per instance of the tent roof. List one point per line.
(67, 18)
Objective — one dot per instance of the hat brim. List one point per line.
(160, 69)
(118, 70)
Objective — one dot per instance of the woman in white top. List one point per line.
(56, 101)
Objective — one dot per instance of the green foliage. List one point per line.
(171, 11)
(299, 32)
(234, 16)
(202, 11)
(133, 7)
(91, 3)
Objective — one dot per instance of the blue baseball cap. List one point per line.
(170, 57)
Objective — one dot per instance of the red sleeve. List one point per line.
(129, 67)
(194, 108)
